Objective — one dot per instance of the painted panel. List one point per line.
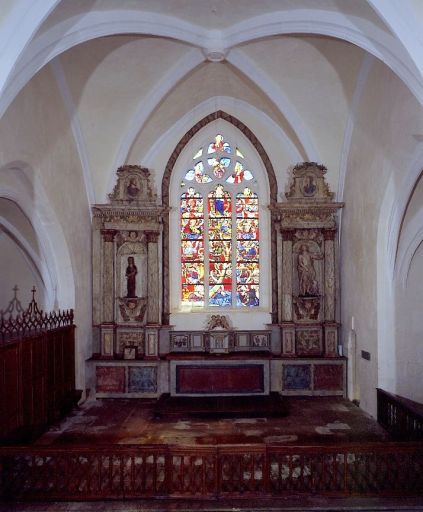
(142, 379)
(329, 376)
(110, 379)
(309, 342)
(296, 376)
(220, 379)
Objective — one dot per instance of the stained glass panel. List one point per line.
(247, 250)
(247, 272)
(220, 229)
(192, 229)
(220, 250)
(239, 175)
(220, 273)
(247, 204)
(247, 295)
(208, 236)
(220, 295)
(192, 204)
(199, 174)
(247, 229)
(219, 166)
(219, 145)
(193, 273)
(193, 293)
(192, 250)
(219, 203)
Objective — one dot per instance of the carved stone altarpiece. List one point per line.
(308, 288)
(126, 308)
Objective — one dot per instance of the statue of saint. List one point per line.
(131, 272)
(306, 272)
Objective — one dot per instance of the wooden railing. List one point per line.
(401, 417)
(37, 369)
(160, 471)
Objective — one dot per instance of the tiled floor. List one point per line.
(310, 420)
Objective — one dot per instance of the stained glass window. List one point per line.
(219, 219)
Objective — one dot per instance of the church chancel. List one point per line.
(181, 286)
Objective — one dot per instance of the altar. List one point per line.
(139, 354)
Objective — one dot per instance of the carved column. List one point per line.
(287, 236)
(329, 237)
(107, 328)
(108, 274)
(151, 349)
(153, 291)
(331, 327)
(288, 326)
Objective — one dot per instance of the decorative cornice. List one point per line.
(295, 216)
(108, 213)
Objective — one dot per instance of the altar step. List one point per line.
(267, 406)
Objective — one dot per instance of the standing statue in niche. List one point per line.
(131, 272)
(306, 272)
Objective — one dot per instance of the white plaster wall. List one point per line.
(409, 332)
(108, 78)
(18, 270)
(318, 76)
(190, 98)
(381, 152)
(36, 130)
(13, 215)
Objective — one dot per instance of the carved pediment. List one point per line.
(133, 187)
(309, 184)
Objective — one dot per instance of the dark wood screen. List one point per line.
(37, 369)
(160, 471)
(401, 417)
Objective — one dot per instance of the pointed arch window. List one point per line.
(219, 221)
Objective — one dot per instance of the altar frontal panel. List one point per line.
(209, 379)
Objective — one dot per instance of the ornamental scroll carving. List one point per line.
(308, 225)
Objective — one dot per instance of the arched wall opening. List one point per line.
(168, 187)
(38, 231)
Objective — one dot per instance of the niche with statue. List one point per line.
(126, 266)
(308, 265)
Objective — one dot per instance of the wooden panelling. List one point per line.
(37, 375)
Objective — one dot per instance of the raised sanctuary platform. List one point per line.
(269, 406)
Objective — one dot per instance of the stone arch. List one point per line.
(273, 187)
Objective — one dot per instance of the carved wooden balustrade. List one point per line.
(160, 471)
(37, 369)
(401, 417)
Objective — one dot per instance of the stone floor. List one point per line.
(320, 420)
(314, 420)
(288, 504)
